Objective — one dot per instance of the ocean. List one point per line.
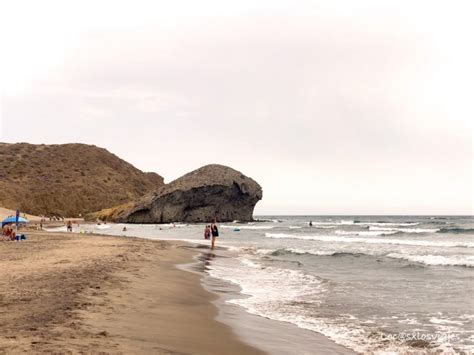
(374, 284)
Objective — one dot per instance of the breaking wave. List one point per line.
(322, 238)
(435, 260)
(457, 230)
(404, 230)
(246, 227)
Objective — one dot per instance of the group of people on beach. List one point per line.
(211, 231)
(10, 233)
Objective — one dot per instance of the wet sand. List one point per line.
(274, 337)
(81, 293)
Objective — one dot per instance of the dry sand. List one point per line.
(70, 293)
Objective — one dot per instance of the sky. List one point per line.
(334, 107)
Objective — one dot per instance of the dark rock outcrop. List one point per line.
(213, 191)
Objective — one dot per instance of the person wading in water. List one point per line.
(215, 233)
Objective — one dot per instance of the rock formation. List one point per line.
(213, 191)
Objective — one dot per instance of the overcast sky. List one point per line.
(334, 107)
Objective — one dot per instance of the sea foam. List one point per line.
(322, 238)
(404, 230)
(247, 227)
(452, 260)
(365, 233)
(287, 295)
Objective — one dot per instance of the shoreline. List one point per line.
(272, 336)
(76, 293)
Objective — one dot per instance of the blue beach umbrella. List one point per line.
(13, 219)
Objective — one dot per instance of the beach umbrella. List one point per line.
(13, 219)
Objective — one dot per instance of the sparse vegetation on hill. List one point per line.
(68, 180)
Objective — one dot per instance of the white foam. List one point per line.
(332, 223)
(404, 230)
(313, 252)
(295, 227)
(452, 260)
(102, 226)
(409, 321)
(388, 223)
(246, 227)
(323, 238)
(284, 295)
(435, 320)
(365, 233)
(349, 222)
(274, 283)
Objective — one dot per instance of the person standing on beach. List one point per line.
(215, 233)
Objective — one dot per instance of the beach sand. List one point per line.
(81, 293)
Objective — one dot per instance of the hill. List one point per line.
(68, 180)
(4, 213)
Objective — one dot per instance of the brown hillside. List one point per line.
(68, 179)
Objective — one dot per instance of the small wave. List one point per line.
(382, 223)
(366, 233)
(322, 238)
(326, 223)
(435, 260)
(403, 224)
(295, 227)
(289, 251)
(295, 251)
(361, 223)
(335, 223)
(454, 260)
(404, 230)
(247, 227)
(268, 221)
(457, 230)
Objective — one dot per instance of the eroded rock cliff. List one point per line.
(213, 191)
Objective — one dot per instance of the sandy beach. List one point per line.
(80, 293)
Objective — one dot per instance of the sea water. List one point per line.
(377, 284)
